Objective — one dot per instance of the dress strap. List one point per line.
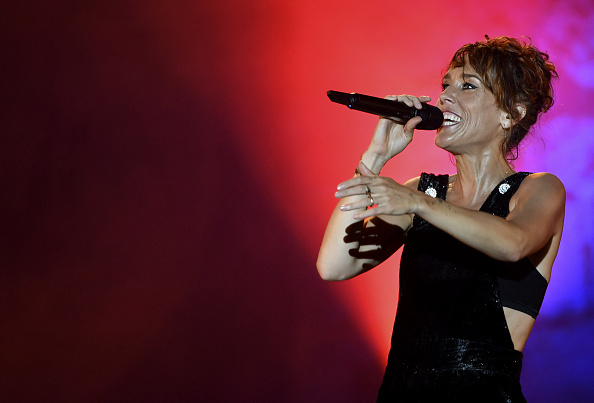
(498, 201)
(434, 185)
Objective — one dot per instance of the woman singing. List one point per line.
(479, 245)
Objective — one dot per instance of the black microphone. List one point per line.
(432, 116)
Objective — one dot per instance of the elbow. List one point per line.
(324, 271)
(328, 272)
(511, 256)
(514, 251)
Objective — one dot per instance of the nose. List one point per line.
(447, 95)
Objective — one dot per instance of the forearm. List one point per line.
(336, 258)
(489, 234)
(351, 247)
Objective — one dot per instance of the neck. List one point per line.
(477, 175)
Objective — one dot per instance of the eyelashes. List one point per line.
(464, 86)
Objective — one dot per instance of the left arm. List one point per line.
(536, 216)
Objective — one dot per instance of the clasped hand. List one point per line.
(388, 197)
(391, 137)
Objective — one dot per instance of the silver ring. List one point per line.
(367, 190)
(371, 201)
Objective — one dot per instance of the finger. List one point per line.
(409, 100)
(418, 101)
(371, 212)
(406, 99)
(349, 183)
(353, 191)
(359, 180)
(412, 124)
(358, 205)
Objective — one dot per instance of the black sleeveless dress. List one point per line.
(450, 341)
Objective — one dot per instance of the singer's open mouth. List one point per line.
(450, 119)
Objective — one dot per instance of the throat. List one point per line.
(471, 196)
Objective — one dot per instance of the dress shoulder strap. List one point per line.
(434, 185)
(498, 201)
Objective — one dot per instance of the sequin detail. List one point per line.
(503, 188)
(431, 192)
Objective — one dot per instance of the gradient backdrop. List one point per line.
(168, 167)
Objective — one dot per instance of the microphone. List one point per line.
(432, 116)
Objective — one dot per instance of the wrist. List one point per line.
(363, 170)
(373, 162)
(419, 205)
(425, 204)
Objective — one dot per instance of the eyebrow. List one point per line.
(465, 76)
(472, 76)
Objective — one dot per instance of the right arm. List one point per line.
(350, 246)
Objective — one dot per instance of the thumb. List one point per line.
(412, 124)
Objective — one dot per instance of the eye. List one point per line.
(468, 86)
(444, 86)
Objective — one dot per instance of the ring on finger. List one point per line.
(367, 190)
(371, 202)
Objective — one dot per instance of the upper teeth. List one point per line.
(450, 119)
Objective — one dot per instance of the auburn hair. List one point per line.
(515, 72)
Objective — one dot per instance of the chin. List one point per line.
(447, 143)
(441, 139)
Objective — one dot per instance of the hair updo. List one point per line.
(517, 74)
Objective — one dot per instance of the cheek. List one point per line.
(480, 113)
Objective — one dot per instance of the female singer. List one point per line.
(478, 245)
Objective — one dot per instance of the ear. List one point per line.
(521, 111)
(507, 121)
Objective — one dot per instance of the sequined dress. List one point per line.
(450, 341)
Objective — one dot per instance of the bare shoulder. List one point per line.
(543, 184)
(541, 188)
(413, 183)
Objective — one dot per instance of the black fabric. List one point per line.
(450, 341)
(521, 286)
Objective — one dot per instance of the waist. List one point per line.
(455, 355)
